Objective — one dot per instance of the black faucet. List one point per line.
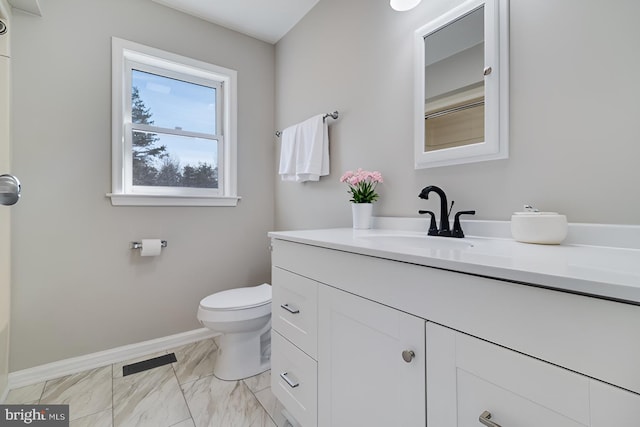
(457, 228)
(444, 213)
(433, 228)
(444, 230)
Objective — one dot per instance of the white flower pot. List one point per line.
(361, 213)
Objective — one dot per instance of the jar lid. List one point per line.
(533, 212)
(536, 213)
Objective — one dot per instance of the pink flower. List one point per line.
(346, 176)
(362, 185)
(376, 176)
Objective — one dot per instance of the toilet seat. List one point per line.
(238, 299)
(242, 318)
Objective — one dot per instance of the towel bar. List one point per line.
(333, 115)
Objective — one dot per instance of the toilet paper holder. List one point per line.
(138, 245)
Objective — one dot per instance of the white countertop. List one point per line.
(602, 271)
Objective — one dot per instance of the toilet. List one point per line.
(243, 317)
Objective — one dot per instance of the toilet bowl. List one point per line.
(243, 317)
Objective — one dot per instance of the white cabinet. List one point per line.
(371, 363)
(294, 374)
(613, 406)
(343, 322)
(469, 378)
(341, 360)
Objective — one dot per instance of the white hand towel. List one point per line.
(312, 149)
(287, 168)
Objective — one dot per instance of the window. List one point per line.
(174, 129)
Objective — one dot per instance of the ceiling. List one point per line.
(266, 20)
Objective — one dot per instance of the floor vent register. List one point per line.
(145, 365)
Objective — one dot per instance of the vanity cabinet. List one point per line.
(371, 363)
(470, 378)
(526, 355)
(364, 346)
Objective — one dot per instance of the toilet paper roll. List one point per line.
(151, 247)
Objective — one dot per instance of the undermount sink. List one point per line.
(422, 241)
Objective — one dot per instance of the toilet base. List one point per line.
(243, 355)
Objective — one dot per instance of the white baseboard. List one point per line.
(4, 394)
(74, 365)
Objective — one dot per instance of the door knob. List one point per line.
(9, 190)
(408, 355)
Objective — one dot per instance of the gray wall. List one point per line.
(5, 212)
(574, 137)
(77, 287)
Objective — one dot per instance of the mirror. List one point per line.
(461, 85)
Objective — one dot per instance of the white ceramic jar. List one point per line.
(546, 228)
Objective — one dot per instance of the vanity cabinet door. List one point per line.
(371, 363)
(613, 406)
(467, 376)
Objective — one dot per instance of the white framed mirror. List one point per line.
(462, 86)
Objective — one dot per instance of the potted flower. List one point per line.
(362, 186)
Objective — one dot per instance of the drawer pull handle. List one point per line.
(485, 418)
(290, 309)
(408, 355)
(285, 377)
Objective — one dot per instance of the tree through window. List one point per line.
(175, 159)
(145, 150)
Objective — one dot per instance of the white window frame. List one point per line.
(127, 55)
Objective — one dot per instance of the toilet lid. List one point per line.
(240, 298)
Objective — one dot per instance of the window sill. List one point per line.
(156, 200)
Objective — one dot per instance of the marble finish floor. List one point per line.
(181, 394)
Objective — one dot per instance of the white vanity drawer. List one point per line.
(468, 376)
(295, 309)
(294, 380)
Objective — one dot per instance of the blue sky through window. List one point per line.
(176, 104)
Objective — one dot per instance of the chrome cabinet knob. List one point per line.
(487, 71)
(408, 355)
